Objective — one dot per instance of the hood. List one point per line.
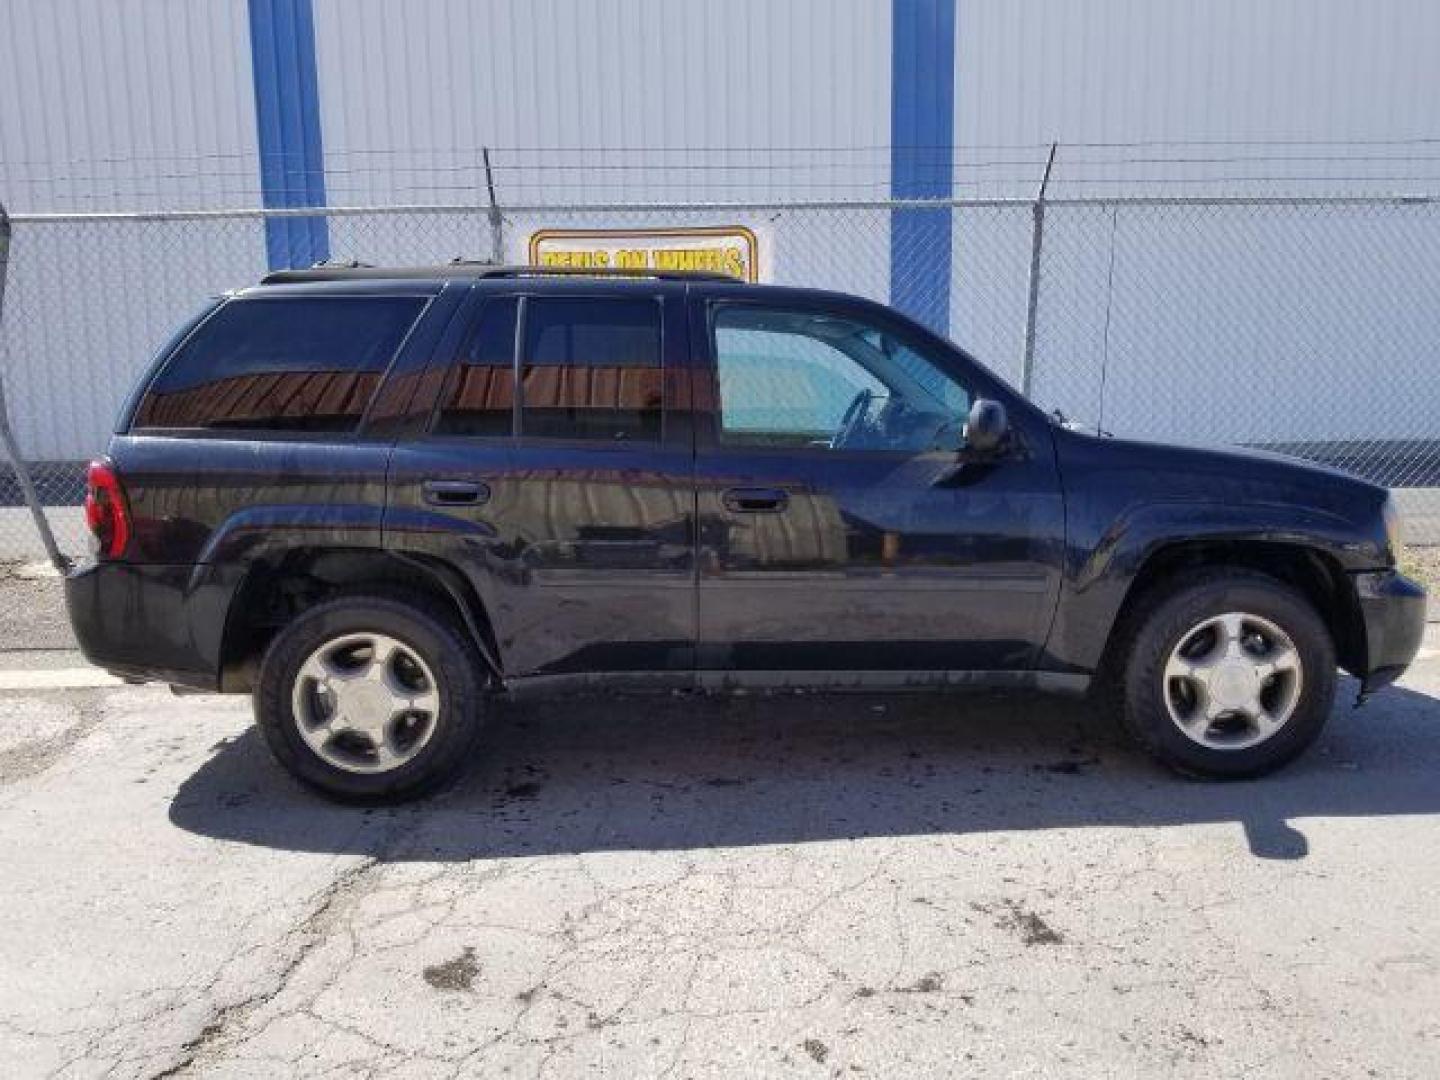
(1234, 474)
(1288, 464)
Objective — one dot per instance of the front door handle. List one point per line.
(455, 492)
(747, 500)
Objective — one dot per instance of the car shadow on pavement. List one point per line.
(686, 772)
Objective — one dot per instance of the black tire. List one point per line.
(1171, 612)
(459, 675)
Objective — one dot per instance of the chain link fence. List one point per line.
(1304, 325)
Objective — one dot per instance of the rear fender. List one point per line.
(270, 589)
(458, 551)
(265, 532)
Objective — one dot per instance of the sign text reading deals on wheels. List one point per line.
(730, 249)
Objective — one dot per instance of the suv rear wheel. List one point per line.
(370, 698)
(1229, 674)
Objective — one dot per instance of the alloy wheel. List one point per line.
(366, 702)
(1233, 681)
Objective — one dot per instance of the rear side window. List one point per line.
(301, 365)
(480, 398)
(591, 369)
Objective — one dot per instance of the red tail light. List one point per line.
(106, 513)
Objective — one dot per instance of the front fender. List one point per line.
(1102, 564)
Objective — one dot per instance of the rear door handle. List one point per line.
(746, 500)
(455, 492)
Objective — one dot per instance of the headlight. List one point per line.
(1394, 533)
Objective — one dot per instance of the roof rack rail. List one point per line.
(340, 264)
(345, 271)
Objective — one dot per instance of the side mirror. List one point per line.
(987, 426)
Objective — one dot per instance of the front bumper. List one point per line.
(1393, 609)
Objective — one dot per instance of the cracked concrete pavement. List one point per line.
(669, 886)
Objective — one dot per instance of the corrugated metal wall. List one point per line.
(142, 104)
(629, 99)
(1116, 70)
(150, 103)
(135, 105)
(1245, 82)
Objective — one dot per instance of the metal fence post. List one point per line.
(497, 222)
(7, 438)
(1037, 239)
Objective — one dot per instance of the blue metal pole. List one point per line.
(922, 156)
(287, 122)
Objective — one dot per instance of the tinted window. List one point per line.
(282, 365)
(480, 397)
(799, 378)
(592, 369)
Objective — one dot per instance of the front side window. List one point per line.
(590, 369)
(295, 365)
(791, 379)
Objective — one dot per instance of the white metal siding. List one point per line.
(149, 103)
(146, 104)
(1296, 319)
(687, 99)
(1247, 81)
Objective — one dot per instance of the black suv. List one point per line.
(375, 497)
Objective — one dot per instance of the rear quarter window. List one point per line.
(295, 365)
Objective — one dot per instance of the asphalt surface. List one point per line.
(32, 609)
(798, 886)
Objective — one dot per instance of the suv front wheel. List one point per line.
(370, 698)
(1229, 674)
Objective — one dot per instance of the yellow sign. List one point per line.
(730, 249)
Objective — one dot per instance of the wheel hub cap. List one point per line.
(365, 706)
(1235, 684)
